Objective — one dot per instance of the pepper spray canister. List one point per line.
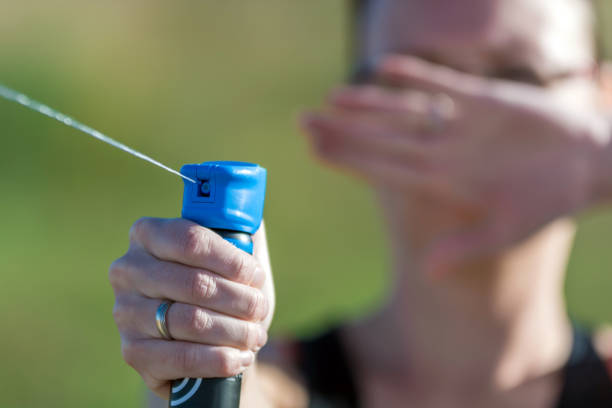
(229, 199)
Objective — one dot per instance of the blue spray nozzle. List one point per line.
(228, 195)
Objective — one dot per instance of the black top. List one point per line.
(325, 367)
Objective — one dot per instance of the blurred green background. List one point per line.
(185, 82)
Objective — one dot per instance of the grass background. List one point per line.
(185, 82)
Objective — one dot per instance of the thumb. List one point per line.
(260, 251)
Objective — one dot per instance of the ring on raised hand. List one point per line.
(441, 108)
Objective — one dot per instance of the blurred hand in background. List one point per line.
(509, 156)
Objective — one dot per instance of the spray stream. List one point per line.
(29, 103)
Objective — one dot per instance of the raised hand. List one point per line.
(513, 154)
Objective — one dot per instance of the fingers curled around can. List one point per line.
(136, 317)
(160, 361)
(140, 272)
(185, 242)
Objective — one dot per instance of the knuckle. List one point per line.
(138, 229)
(227, 362)
(119, 314)
(197, 240)
(202, 286)
(198, 321)
(244, 268)
(250, 336)
(257, 306)
(130, 353)
(117, 271)
(186, 359)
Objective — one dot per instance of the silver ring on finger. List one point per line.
(441, 109)
(161, 319)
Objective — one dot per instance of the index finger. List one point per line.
(185, 242)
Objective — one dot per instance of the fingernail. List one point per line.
(246, 358)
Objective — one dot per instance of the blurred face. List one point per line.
(534, 41)
(540, 42)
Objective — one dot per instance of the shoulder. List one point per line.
(602, 339)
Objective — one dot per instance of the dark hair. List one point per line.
(359, 72)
